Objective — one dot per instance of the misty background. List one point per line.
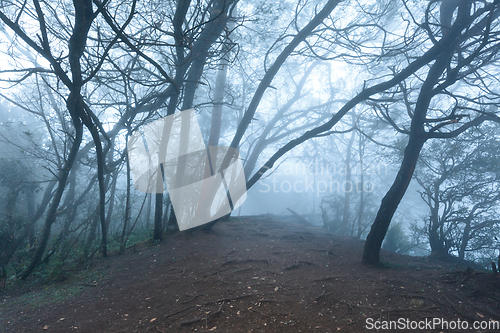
(333, 106)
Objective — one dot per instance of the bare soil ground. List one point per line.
(252, 275)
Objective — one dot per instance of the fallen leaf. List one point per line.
(46, 327)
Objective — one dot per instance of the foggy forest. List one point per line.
(249, 166)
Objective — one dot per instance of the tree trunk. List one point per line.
(69, 202)
(172, 221)
(362, 186)
(102, 192)
(30, 208)
(127, 207)
(92, 234)
(112, 198)
(465, 240)
(346, 214)
(390, 202)
(158, 229)
(220, 84)
(436, 240)
(167, 128)
(148, 211)
(200, 51)
(418, 136)
(165, 213)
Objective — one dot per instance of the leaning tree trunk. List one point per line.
(391, 201)
(418, 136)
(362, 186)
(69, 201)
(436, 240)
(465, 239)
(112, 198)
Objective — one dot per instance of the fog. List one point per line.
(375, 121)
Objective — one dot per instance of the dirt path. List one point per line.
(255, 275)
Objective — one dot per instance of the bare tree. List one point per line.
(460, 185)
(463, 50)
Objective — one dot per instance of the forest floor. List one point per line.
(254, 275)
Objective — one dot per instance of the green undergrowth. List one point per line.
(29, 296)
(65, 261)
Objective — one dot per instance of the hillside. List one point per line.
(251, 275)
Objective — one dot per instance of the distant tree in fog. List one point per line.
(460, 182)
